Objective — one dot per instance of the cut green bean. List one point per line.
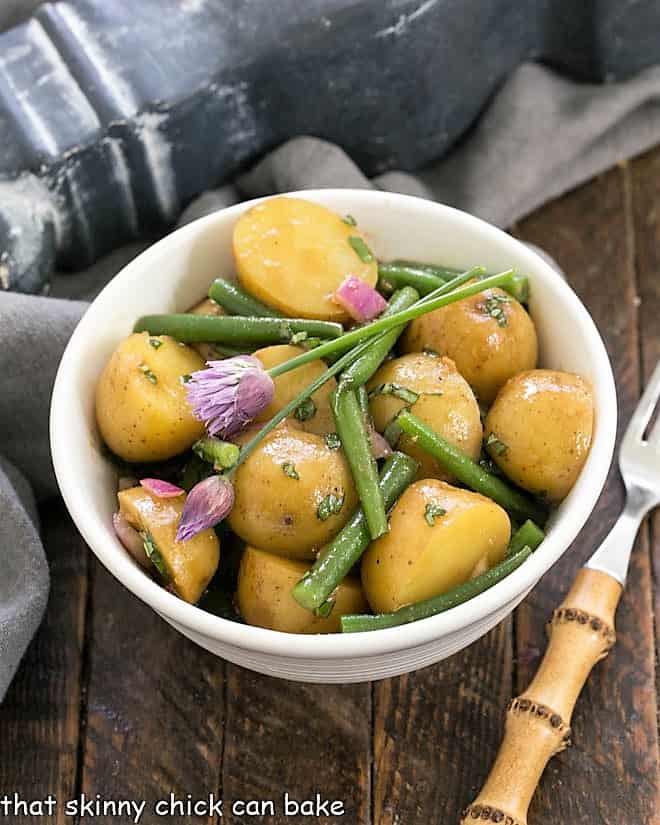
(228, 329)
(397, 319)
(363, 401)
(469, 472)
(352, 430)
(527, 535)
(337, 558)
(438, 604)
(238, 302)
(444, 272)
(222, 454)
(361, 370)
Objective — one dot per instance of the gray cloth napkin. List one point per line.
(541, 135)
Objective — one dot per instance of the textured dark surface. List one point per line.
(126, 110)
(111, 700)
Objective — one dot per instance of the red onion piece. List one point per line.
(131, 539)
(379, 445)
(160, 488)
(361, 301)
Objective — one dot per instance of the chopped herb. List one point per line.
(154, 555)
(332, 441)
(149, 373)
(325, 609)
(361, 249)
(409, 396)
(497, 446)
(432, 352)
(311, 343)
(493, 306)
(298, 337)
(392, 433)
(350, 220)
(305, 410)
(330, 506)
(486, 463)
(432, 512)
(155, 343)
(289, 470)
(185, 378)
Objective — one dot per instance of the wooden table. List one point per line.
(112, 701)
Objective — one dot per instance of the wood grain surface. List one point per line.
(110, 700)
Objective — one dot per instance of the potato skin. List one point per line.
(544, 419)
(293, 254)
(141, 420)
(291, 384)
(265, 582)
(485, 353)
(279, 513)
(446, 404)
(416, 561)
(191, 564)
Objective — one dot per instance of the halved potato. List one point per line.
(293, 254)
(188, 566)
(440, 536)
(446, 403)
(265, 582)
(293, 494)
(291, 384)
(141, 406)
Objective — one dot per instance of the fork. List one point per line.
(581, 633)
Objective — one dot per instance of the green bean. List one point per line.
(438, 604)
(227, 329)
(361, 370)
(444, 272)
(395, 320)
(363, 401)
(425, 278)
(222, 454)
(238, 302)
(527, 535)
(352, 430)
(337, 558)
(467, 471)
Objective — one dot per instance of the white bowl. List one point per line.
(175, 273)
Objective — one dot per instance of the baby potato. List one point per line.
(539, 430)
(291, 384)
(446, 403)
(293, 494)
(189, 565)
(264, 595)
(141, 405)
(489, 336)
(439, 537)
(293, 254)
(207, 307)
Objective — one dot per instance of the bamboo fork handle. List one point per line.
(538, 721)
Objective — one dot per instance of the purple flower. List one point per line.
(206, 505)
(160, 488)
(230, 394)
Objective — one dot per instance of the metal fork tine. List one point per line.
(644, 411)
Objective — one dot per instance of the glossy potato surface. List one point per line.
(446, 403)
(293, 254)
(291, 384)
(190, 564)
(279, 513)
(486, 351)
(141, 405)
(543, 423)
(265, 582)
(416, 561)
